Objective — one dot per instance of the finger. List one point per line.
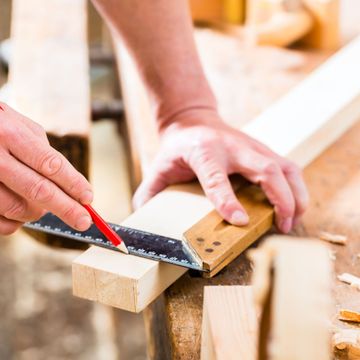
(293, 175)
(42, 193)
(296, 182)
(218, 189)
(8, 227)
(13, 207)
(268, 174)
(150, 186)
(48, 162)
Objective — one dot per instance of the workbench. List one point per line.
(173, 321)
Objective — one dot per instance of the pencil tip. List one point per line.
(122, 247)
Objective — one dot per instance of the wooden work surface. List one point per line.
(334, 183)
(173, 322)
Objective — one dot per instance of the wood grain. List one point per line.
(296, 274)
(333, 180)
(229, 324)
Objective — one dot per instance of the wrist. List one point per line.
(190, 117)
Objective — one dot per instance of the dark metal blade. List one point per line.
(139, 243)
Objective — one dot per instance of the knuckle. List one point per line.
(78, 185)
(270, 168)
(16, 210)
(70, 212)
(215, 180)
(291, 169)
(39, 130)
(203, 150)
(4, 106)
(221, 205)
(41, 191)
(51, 164)
(8, 132)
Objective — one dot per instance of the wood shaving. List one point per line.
(332, 255)
(333, 238)
(346, 344)
(349, 315)
(350, 279)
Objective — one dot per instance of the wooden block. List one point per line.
(98, 274)
(141, 281)
(230, 323)
(325, 33)
(292, 283)
(49, 72)
(299, 126)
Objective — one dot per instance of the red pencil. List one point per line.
(109, 233)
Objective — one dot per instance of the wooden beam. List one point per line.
(230, 323)
(316, 112)
(292, 285)
(299, 126)
(49, 72)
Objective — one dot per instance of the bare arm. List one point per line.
(159, 35)
(195, 142)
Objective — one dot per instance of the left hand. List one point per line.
(210, 151)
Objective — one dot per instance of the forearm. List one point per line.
(159, 35)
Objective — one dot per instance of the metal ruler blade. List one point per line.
(139, 243)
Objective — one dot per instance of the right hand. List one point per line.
(35, 178)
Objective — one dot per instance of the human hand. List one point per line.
(211, 150)
(35, 178)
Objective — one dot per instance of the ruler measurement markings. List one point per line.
(141, 243)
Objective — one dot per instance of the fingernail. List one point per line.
(239, 218)
(83, 222)
(87, 197)
(286, 225)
